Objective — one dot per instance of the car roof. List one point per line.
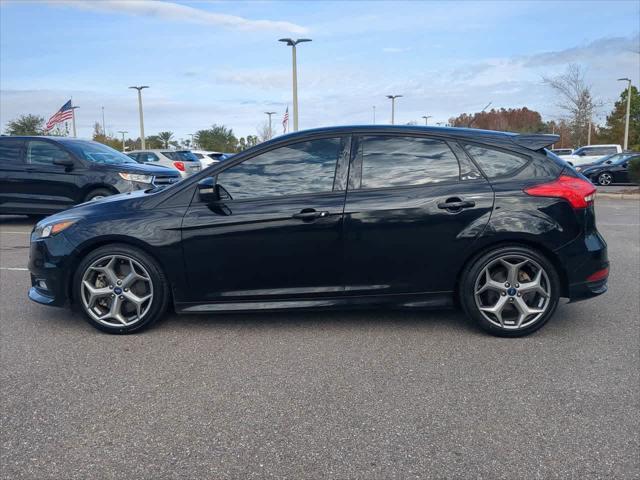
(48, 137)
(533, 141)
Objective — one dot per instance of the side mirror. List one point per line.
(207, 190)
(63, 162)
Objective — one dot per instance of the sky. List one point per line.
(221, 62)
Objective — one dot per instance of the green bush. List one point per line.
(634, 170)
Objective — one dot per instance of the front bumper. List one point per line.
(49, 266)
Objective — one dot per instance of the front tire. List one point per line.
(120, 289)
(98, 194)
(510, 291)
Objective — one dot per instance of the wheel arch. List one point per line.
(541, 249)
(86, 248)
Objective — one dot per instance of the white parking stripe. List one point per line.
(15, 232)
(15, 269)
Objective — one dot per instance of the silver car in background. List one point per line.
(182, 160)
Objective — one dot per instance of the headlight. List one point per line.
(136, 177)
(54, 228)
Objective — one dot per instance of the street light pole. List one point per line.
(626, 125)
(270, 128)
(104, 130)
(123, 132)
(426, 119)
(292, 43)
(191, 135)
(139, 89)
(374, 114)
(393, 107)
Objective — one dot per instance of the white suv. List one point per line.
(207, 157)
(591, 153)
(182, 160)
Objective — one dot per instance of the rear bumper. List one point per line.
(581, 259)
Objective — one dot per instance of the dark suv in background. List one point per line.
(338, 217)
(43, 175)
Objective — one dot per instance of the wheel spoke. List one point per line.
(524, 310)
(497, 309)
(534, 286)
(490, 284)
(512, 270)
(95, 293)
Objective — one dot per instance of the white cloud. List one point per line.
(182, 13)
(395, 50)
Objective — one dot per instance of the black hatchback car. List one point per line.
(338, 217)
(43, 175)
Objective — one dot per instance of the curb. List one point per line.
(618, 196)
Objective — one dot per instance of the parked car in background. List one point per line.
(338, 217)
(614, 169)
(562, 151)
(591, 153)
(605, 159)
(43, 175)
(207, 157)
(183, 161)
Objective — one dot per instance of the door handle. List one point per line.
(456, 204)
(309, 214)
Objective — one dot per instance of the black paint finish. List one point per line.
(400, 246)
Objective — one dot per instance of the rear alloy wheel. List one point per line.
(120, 289)
(605, 178)
(511, 291)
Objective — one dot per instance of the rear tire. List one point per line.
(120, 289)
(97, 194)
(510, 291)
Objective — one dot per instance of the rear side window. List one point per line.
(495, 163)
(44, 153)
(184, 156)
(10, 149)
(392, 161)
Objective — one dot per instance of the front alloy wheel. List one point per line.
(120, 289)
(605, 179)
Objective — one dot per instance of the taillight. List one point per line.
(179, 166)
(599, 275)
(578, 192)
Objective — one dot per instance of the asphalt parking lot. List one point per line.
(370, 394)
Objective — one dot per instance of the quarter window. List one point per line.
(391, 161)
(44, 153)
(305, 167)
(495, 163)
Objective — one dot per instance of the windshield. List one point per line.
(181, 156)
(98, 153)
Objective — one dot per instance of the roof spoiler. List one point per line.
(535, 141)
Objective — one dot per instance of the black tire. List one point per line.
(476, 267)
(160, 293)
(604, 179)
(98, 193)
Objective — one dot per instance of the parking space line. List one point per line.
(15, 269)
(15, 232)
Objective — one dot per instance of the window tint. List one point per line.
(10, 150)
(495, 163)
(305, 167)
(44, 153)
(390, 161)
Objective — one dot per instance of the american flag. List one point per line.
(285, 120)
(65, 113)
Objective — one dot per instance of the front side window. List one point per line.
(495, 163)
(392, 161)
(44, 153)
(305, 167)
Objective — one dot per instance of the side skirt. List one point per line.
(416, 300)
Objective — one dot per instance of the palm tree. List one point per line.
(165, 137)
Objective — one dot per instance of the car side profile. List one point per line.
(591, 153)
(183, 161)
(44, 175)
(615, 169)
(421, 217)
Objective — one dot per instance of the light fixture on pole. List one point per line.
(393, 107)
(426, 119)
(123, 132)
(292, 43)
(139, 89)
(270, 128)
(626, 124)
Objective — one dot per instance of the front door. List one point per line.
(278, 233)
(412, 210)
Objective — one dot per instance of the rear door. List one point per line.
(12, 176)
(278, 234)
(414, 206)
